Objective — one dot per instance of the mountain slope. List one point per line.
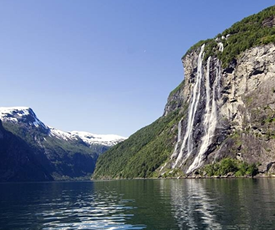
(63, 155)
(143, 152)
(17, 161)
(224, 108)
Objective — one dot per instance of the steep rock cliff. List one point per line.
(248, 103)
(231, 111)
(223, 108)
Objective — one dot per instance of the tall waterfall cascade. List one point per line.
(206, 90)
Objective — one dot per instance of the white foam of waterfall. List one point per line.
(218, 76)
(188, 139)
(210, 118)
(207, 88)
(178, 140)
(220, 45)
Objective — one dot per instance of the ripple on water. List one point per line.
(97, 212)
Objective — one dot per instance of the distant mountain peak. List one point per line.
(31, 150)
(20, 111)
(26, 116)
(21, 115)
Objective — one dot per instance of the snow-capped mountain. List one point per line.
(25, 115)
(107, 140)
(21, 115)
(31, 148)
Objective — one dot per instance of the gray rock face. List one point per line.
(249, 105)
(175, 100)
(269, 22)
(231, 111)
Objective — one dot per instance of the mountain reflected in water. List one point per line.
(223, 204)
(192, 205)
(139, 204)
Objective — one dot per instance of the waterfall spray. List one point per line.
(210, 118)
(188, 139)
(178, 141)
(209, 115)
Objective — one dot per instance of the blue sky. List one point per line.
(103, 66)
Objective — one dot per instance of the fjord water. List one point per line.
(139, 204)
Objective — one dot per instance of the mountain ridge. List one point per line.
(224, 108)
(62, 155)
(22, 113)
(17, 161)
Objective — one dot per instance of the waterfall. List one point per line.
(220, 45)
(207, 87)
(218, 76)
(209, 114)
(210, 118)
(178, 140)
(188, 139)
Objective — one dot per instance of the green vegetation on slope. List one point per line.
(62, 159)
(18, 163)
(32, 136)
(146, 150)
(229, 165)
(177, 89)
(142, 153)
(255, 30)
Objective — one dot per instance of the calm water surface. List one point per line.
(139, 204)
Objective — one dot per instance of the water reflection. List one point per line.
(247, 203)
(191, 205)
(140, 204)
(222, 204)
(66, 206)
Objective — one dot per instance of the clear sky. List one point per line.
(103, 66)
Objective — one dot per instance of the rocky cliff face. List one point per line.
(214, 113)
(231, 111)
(224, 108)
(248, 103)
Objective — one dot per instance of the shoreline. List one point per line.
(260, 175)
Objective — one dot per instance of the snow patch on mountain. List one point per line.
(61, 134)
(20, 115)
(25, 115)
(107, 140)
